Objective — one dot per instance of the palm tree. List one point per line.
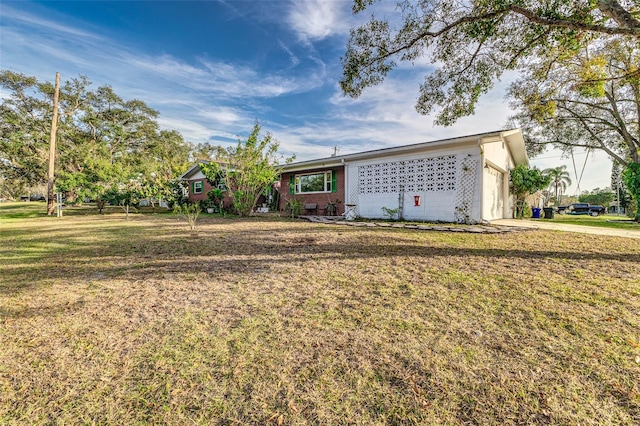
(560, 180)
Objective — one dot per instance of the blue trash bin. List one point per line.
(536, 212)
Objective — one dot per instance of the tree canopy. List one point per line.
(473, 43)
(103, 142)
(598, 196)
(590, 100)
(525, 181)
(247, 169)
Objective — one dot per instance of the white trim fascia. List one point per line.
(517, 148)
(469, 140)
(494, 166)
(190, 170)
(311, 164)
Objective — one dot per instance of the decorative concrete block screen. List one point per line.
(428, 174)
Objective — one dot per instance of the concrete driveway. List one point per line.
(530, 223)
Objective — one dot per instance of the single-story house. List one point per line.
(196, 181)
(462, 179)
(198, 186)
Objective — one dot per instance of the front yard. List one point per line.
(273, 321)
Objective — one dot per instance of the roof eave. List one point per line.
(383, 152)
(517, 147)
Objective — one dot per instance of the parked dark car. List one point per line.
(585, 208)
(561, 209)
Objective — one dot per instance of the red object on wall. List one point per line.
(416, 200)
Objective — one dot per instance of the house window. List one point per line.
(314, 182)
(198, 187)
(219, 182)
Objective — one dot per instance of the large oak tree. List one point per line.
(473, 43)
(104, 141)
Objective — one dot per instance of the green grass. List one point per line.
(22, 210)
(273, 321)
(604, 221)
(33, 209)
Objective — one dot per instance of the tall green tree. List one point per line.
(471, 44)
(526, 181)
(247, 169)
(23, 130)
(619, 189)
(25, 119)
(589, 100)
(560, 181)
(631, 176)
(104, 141)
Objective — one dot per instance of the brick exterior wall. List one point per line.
(320, 198)
(203, 195)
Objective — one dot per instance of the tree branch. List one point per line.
(613, 10)
(525, 48)
(595, 137)
(622, 128)
(632, 30)
(631, 74)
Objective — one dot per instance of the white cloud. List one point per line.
(223, 115)
(196, 131)
(294, 59)
(191, 130)
(19, 17)
(318, 19)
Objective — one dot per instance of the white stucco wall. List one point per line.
(498, 154)
(437, 203)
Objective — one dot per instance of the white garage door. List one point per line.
(493, 194)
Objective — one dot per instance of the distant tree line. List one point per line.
(106, 146)
(110, 149)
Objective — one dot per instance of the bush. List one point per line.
(189, 211)
(293, 207)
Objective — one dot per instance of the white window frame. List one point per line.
(198, 184)
(327, 183)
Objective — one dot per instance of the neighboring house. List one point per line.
(463, 179)
(613, 208)
(535, 200)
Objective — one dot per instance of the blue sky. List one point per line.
(211, 68)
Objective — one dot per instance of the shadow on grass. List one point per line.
(141, 250)
(48, 311)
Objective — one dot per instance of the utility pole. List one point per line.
(51, 206)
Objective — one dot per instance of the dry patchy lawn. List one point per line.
(264, 321)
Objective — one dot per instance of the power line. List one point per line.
(554, 156)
